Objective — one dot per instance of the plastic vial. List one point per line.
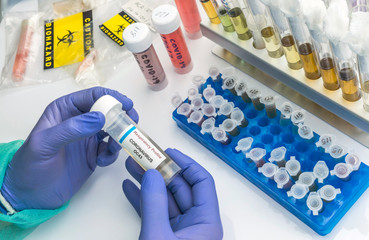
(257, 156)
(198, 80)
(226, 109)
(138, 39)
(282, 179)
(293, 167)
(214, 73)
(342, 171)
(321, 171)
(314, 203)
(230, 83)
(270, 108)
(125, 132)
(225, 19)
(286, 112)
(297, 119)
(220, 135)
(306, 133)
(185, 110)
(255, 95)
(268, 170)
(364, 78)
(241, 88)
(208, 110)
(197, 102)
(230, 126)
(278, 155)
(298, 191)
(196, 117)
(192, 92)
(208, 93)
(353, 160)
(238, 19)
(217, 101)
(207, 126)
(244, 144)
(325, 141)
(166, 20)
(336, 151)
(176, 100)
(328, 193)
(190, 17)
(210, 11)
(253, 24)
(308, 178)
(239, 117)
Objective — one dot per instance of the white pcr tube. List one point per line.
(208, 93)
(298, 191)
(293, 167)
(137, 144)
(244, 144)
(328, 193)
(314, 203)
(321, 171)
(278, 155)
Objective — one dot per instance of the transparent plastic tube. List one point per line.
(196, 117)
(278, 155)
(364, 80)
(308, 178)
(314, 203)
(258, 42)
(208, 93)
(220, 135)
(137, 144)
(270, 107)
(298, 191)
(225, 19)
(282, 178)
(293, 167)
(198, 81)
(208, 110)
(328, 193)
(286, 112)
(244, 144)
(257, 156)
(214, 73)
(297, 119)
(210, 11)
(192, 93)
(255, 95)
(336, 151)
(217, 101)
(207, 126)
(197, 102)
(238, 116)
(321, 171)
(353, 160)
(229, 83)
(306, 133)
(325, 141)
(342, 171)
(238, 19)
(268, 170)
(241, 90)
(230, 126)
(226, 109)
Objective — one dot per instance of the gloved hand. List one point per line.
(186, 209)
(61, 152)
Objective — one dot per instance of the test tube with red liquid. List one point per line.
(190, 17)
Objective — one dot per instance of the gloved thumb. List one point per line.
(73, 129)
(154, 206)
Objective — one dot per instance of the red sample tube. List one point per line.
(166, 21)
(190, 17)
(21, 58)
(138, 39)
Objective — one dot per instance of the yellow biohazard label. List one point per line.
(68, 40)
(115, 26)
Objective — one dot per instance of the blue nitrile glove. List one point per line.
(186, 209)
(61, 152)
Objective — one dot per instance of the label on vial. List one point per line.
(140, 11)
(141, 148)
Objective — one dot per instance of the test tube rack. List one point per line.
(353, 120)
(269, 134)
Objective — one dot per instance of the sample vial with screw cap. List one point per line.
(137, 144)
(138, 39)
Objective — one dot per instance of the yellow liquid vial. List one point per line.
(225, 20)
(239, 22)
(272, 44)
(290, 51)
(329, 76)
(308, 58)
(210, 11)
(349, 85)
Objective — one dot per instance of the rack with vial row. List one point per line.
(312, 65)
(312, 176)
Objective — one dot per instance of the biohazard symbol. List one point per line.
(120, 29)
(67, 38)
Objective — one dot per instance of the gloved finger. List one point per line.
(71, 130)
(106, 157)
(132, 194)
(133, 115)
(101, 135)
(202, 183)
(182, 193)
(154, 205)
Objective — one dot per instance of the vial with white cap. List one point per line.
(353, 160)
(297, 119)
(336, 151)
(325, 141)
(185, 110)
(230, 126)
(298, 191)
(314, 203)
(268, 170)
(138, 39)
(286, 112)
(342, 171)
(293, 167)
(239, 117)
(306, 133)
(208, 93)
(196, 117)
(208, 110)
(278, 155)
(308, 178)
(244, 144)
(220, 135)
(137, 144)
(197, 102)
(270, 108)
(214, 73)
(166, 21)
(230, 84)
(255, 95)
(217, 101)
(328, 193)
(321, 171)
(207, 126)
(257, 156)
(226, 109)
(282, 178)
(241, 90)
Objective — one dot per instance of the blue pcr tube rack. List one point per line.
(268, 134)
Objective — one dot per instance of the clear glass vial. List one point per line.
(136, 143)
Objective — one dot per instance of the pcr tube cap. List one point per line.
(228, 125)
(254, 93)
(176, 100)
(244, 144)
(208, 110)
(314, 203)
(214, 73)
(278, 154)
(298, 191)
(195, 117)
(268, 170)
(228, 71)
(269, 101)
(241, 87)
(198, 80)
(321, 171)
(326, 140)
(217, 101)
(293, 166)
(336, 151)
(353, 160)
(184, 109)
(229, 82)
(208, 93)
(307, 178)
(226, 109)
(219, 135)
(197, 103)
(193, 92)
(342, 170)
(207, 126)
(281, 177)
(298, 117)
(237, 115)
(286, 109)
(328, 193)
(256, 154)
(305, 132)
